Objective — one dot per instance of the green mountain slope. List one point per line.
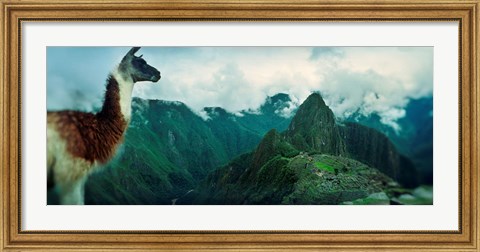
(315, 161)
(415, 137)
(168, 149)
(375, 149)
(171, 155)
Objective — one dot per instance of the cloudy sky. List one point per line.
(364, 79)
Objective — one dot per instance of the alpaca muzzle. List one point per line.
(156, 77)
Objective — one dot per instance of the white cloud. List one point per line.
(288, 110)
(377, 80)
(351, 79)
(204, 115)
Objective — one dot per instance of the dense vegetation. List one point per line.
(168, 149)
(172, 155)
(315, 161)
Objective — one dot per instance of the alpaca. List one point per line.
(78, 142)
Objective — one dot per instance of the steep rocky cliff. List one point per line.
(313, 128)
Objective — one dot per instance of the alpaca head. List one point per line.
(137, 68)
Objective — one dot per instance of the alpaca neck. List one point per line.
(118, 96)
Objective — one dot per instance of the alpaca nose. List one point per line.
(156, 77)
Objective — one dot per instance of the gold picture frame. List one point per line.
(15, 12)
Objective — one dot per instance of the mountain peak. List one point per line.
(316, 100)
(314, 128)
(313, 111)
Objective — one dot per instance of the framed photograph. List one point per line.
(253, 125)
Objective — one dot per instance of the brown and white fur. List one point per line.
(77, 142)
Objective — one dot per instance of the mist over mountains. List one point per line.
(278, 154)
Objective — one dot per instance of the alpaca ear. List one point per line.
(133, 50)
(130, 54)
